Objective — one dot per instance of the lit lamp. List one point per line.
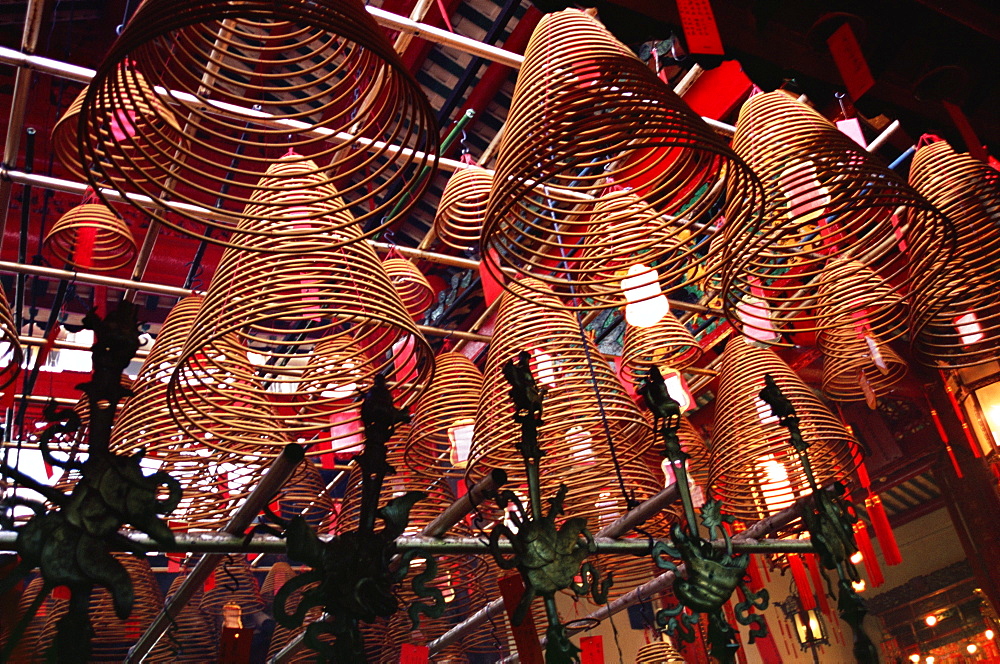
(808, 624)
(978, 390)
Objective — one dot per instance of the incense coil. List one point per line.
(584, 403)
(332, 89)
(850, 360)
(587, 119)
(659, 652)
(319, 323)
(957, 318)
(111, 247)
(282, 636)
(305, 495)
(11, 355)
(692, 443)
(279, 574)
(113, 637)
(191, 637)
(825, 196)
(668, 343)
(234, 584)
(753, 466)
(411, 284)
(449, 403)
(460, 213)
(27, 649)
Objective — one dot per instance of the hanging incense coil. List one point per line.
(444, 416)
(825, 197)
(234, 584)
(113, 637)
(668, 343)
(584, 404)
(753, 465)
(11, 355)
(588, 120)
(279, 574)
(282, 636)
(27, 649)
(305, 495)
(460, 213)
(659, 652)
(957, 321)
(248, 81)
(191, 637)
(319, 324)
(411, 284)
(692, 443)
(91, 237)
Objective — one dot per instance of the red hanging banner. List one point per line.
(592, 650)
(850, 61)
(525, 636)
(701, 34)
(818, 586)
(413, 654)
(806, 597)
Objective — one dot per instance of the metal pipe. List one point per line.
(277, 474)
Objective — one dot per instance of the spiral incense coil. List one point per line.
(460, 213)
(282, 636)
(191, 637)
(692, 443)
(411, 284)
(825, 197)
(27, 649)
(314, 328)
(584, 404)
(113, 637)
(305, 494)
(858, 367)
(247, 81)
(754, 467)
(443, 418)
(668, 343)
(587, 121)
(234, 584)
(957, 321)
(91, 237)
(11, 355)
(659, 652)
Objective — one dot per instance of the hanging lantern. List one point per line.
(444, 418)
(460, 213)
(666, 344)
(331, 87)
(412, 286)
(957, 319)
(825, 197)
(586, 114)
(11, 355)
(754, 467)
(91, 237)
(318, 323)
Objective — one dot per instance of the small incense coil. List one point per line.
(113, 637)
(754, 467)
(191, 638)
(583, 404)
(234, 584)
(411, 284)
(825, 196)
(956, 319)
(11, 355)
(659, 652)
(279, 574)
(91, 237)
(305, 494)
(27, 649)
(282, 636)
(333, 89)
(445, 412)
(858, 367)
(667, 344)
(460, 213)
(319, 323)
(588, 119)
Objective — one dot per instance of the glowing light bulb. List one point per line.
(971, 648)
(988, 634)
(914, 657)
(774, 486)
(859, 586)
(856, 558)
(929, 659)
(931, 620)
(646, 303)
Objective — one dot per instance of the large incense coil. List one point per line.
(460, 213)
(234, 584)
(113, 637)
(659, 652)
(27, 649)
(319, 325)
(957, 324)
(91, 237)
(279, 574)
(411, 284)
(305, 495)
(248, 81)
(11, 355)
(858, 367)
(668, 343)
(753, 465)
(825, 196)
(446, 412)
(191, 637)
(583, 406)
(588, 119)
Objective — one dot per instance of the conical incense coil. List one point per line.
(91, 237)
(247, 81)
(667, 344)
(279, 574)
(11, 355)
(27, 649)
(584, 405)
(113, 637)
(754, 467)
(460, 213)
(659, 652)
(191, 638)
(305, 494)
(443, 419)
(825, 196)
(957, 318)
(692, 443)
(588, 119)
(411, 284)
(234, 584)
(315, 326)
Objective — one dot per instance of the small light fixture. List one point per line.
(856, 558)
(971, 648)
(808, 624)
(914, 658)
(989, 634)
(929, 659)
(931, 620)
(859, 586)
